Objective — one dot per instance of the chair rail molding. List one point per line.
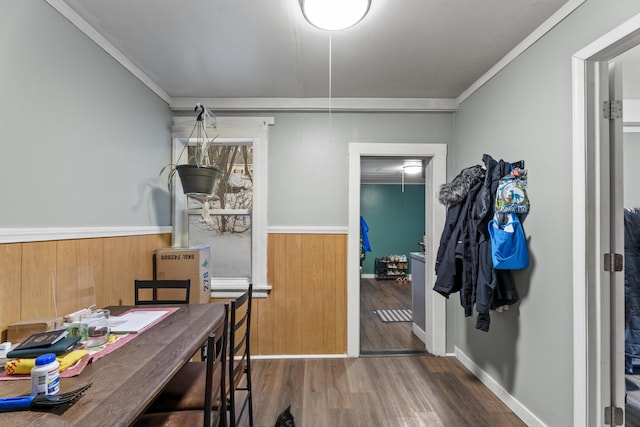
(41, 234)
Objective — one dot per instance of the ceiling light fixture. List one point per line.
(334, 15)
(412, 168)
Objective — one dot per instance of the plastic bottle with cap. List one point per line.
(45, 375)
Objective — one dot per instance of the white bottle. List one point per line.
(45, 376)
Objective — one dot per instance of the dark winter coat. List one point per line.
(463, 261)
(452, 266)
(494, 288)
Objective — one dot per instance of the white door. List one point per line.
(617, 240)
(612, 243)
(598, 307)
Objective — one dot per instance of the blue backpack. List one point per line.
(508, 243)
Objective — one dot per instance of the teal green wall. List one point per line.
(395, 220)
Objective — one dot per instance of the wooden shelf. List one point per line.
(389, 268)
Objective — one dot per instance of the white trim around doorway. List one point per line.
(435, 175)
(587, 372)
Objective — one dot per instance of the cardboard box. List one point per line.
(23, 329)
(187, 263)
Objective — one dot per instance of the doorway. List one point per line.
(599, 381)
(435, 175)
(392, 203)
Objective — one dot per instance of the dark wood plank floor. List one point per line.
(632, 406)
(404, 390)
(397, 391)
(377, 337)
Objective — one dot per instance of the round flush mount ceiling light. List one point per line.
(412, 168)
(334, 15)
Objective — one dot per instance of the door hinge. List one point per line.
(613, 416)
(613, 262)
(611, 110)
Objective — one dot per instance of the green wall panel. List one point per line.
(395, 219)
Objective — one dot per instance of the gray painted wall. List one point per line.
(308, 165)
(525, 113)
(83, 140)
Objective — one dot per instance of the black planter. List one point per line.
(197, 181)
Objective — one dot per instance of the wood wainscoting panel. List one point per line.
(65, 285)
(125, 260)
(306, 310)
(270, 312)
(114, 262)
(335, 309)
(305, 313)
(292, 287)
(315, 294)
(120, 270)
(38, 263)
(10, 283)
(91, 254)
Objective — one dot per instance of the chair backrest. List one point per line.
(216, 363)
(172, 291)
(239, 363)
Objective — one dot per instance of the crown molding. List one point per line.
(63, 9)
(319, 104)
(536, 35)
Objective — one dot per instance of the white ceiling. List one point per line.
(265, 48)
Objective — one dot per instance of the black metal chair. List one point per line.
(240, 359)
(163, 291)
(184, 391)
(210, 389)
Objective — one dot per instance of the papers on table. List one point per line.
(134, 321)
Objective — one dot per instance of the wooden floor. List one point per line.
(403, 390)
(421, 390)
(414, 389)
(377, 337)
(632, 407)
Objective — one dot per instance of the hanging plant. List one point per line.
(198, 175)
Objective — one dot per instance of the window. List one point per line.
(233, 222)
(225, 225)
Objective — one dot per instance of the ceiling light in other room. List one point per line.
(334, 15)
(412, 168)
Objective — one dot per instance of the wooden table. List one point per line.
(125, 381)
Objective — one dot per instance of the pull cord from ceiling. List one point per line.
(330, 82)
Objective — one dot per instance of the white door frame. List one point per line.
(589, 285)
(435, 175)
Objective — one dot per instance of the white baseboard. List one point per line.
(518, 408)
(373, 276)
(298, 356)
(417, 331)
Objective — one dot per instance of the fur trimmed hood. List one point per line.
(455, 191)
